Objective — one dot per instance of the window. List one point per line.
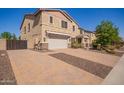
(51, 19)
(44, 39)
(25, 30)
(64, 24)
(29, 27)
(73, 28)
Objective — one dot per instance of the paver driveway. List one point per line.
(31, 67)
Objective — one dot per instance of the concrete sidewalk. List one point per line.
(116, 76)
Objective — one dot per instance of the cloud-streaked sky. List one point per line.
(87, 18)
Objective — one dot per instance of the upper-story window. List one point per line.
(73, 28)
(25, 30)
(29, 27)
(64, 24)
(51, 19)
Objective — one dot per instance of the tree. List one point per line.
(6, 35)
(14, 37)
(107, 33)
(19, 38)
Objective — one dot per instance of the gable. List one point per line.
(29, 17)
(37, 19)
(59, 15)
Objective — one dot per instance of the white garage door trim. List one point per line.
(57, 43)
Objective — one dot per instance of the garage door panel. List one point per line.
(57, 43)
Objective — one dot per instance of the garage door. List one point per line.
(57, 43)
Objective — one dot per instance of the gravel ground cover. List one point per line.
(6, 73)
(117, 53)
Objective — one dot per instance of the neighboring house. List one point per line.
(50, 29)
(86, 38)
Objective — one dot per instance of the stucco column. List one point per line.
(82, 42)
(3, 44)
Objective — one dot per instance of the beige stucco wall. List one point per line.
(35, 35)
(35, 31)
(25, 23)
(56, 25)
(91, 37)
(2, 44)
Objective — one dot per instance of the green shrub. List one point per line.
(94, 44)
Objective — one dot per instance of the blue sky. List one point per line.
(87, 18)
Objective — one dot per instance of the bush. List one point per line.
(94, 44)
(75, 44)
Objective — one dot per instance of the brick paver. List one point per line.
(32, 67)
(89, 66)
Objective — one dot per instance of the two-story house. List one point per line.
(52, 29)
(86, 38)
